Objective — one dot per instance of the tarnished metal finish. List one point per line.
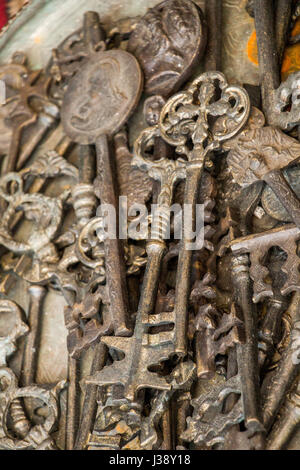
(90, 404)
(181, 378)
(247, 352)
(142, 349)
(133, 183)
(109, 97)
(286, 372)
(208, 425)
(36, 295)
(260, 155)
(27, 435)
(274, 95)
(288, 421)
(39, 436)
(168, 42)
(272, 204)
(185, 116)
(29, 109)
(166, 344)
(257, 245)
(12, 328)
(270, 330)
(104, 76)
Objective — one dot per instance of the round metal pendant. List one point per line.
(101, 96)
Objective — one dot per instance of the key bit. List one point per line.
(208, 425)
(261, 154)
(181, 378)
(143, 349)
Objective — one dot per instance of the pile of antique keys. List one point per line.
(193, 341)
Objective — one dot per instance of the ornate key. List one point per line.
(90, 115)
(25, 435)
(144, 349)
(184, 123)
(270, 330)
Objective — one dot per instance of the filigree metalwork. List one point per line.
(209, 424)
(39, 435)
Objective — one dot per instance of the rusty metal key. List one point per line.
(141, 350)
(97, 103)
(184, 123)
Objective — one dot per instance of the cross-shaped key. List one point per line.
(144, 349)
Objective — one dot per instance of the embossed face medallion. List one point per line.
(168, 41)
(101, 96)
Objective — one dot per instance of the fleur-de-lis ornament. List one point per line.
(196, 121)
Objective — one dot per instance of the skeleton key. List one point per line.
(97, 103)
(181, 379)
(275, 98)
(143, 349)
(183, 120)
